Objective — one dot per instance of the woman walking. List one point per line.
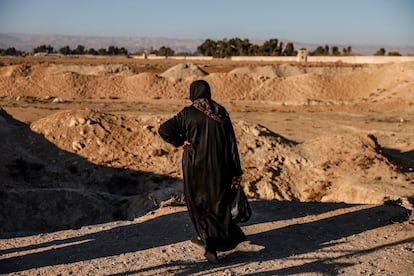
(210, 165)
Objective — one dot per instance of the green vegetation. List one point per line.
(223, 48)
(381, 52)
(163, 51)
(237, 47)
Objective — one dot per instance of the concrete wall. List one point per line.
(191, 57)
(264, 58)
(344, 59)
(173, 57)
(362, 59)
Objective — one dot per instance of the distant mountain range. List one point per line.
(27, 42)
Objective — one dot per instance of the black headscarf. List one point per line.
(199, 89)
(200, 95)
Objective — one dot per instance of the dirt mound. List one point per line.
(287, 70)
(265, 71)
(369, 85)
(184, 71)
(275, 168)
(365, 86)
(318, 170)
(152, 86)
(117, 167)
(91, 69)
(112, 140)
(353, 169)
(231, 86)
(46, 188)
(7, 71)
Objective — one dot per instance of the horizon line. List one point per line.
(203, 39)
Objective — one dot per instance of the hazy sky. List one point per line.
(362, 22)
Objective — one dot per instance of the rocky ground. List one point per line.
(89, 188)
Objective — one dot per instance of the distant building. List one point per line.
(302, 55)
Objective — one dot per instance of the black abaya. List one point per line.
(209, 163)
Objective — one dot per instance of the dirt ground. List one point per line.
(327, 151)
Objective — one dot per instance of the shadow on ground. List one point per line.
(44, 188)
(403, 160)
(293, 239)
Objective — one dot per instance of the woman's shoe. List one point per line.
(212, 257)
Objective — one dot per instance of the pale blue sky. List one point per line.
(356, 22)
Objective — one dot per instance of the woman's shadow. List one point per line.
(278, 243)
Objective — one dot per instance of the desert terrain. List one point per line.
(89, 188)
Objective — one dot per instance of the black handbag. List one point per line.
(240, 207)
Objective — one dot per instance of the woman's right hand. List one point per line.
(185, 144)
(236, 181)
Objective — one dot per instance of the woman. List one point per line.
(210, 164)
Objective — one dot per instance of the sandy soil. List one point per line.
(90, 189)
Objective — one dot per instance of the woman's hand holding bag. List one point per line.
(240, 207)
